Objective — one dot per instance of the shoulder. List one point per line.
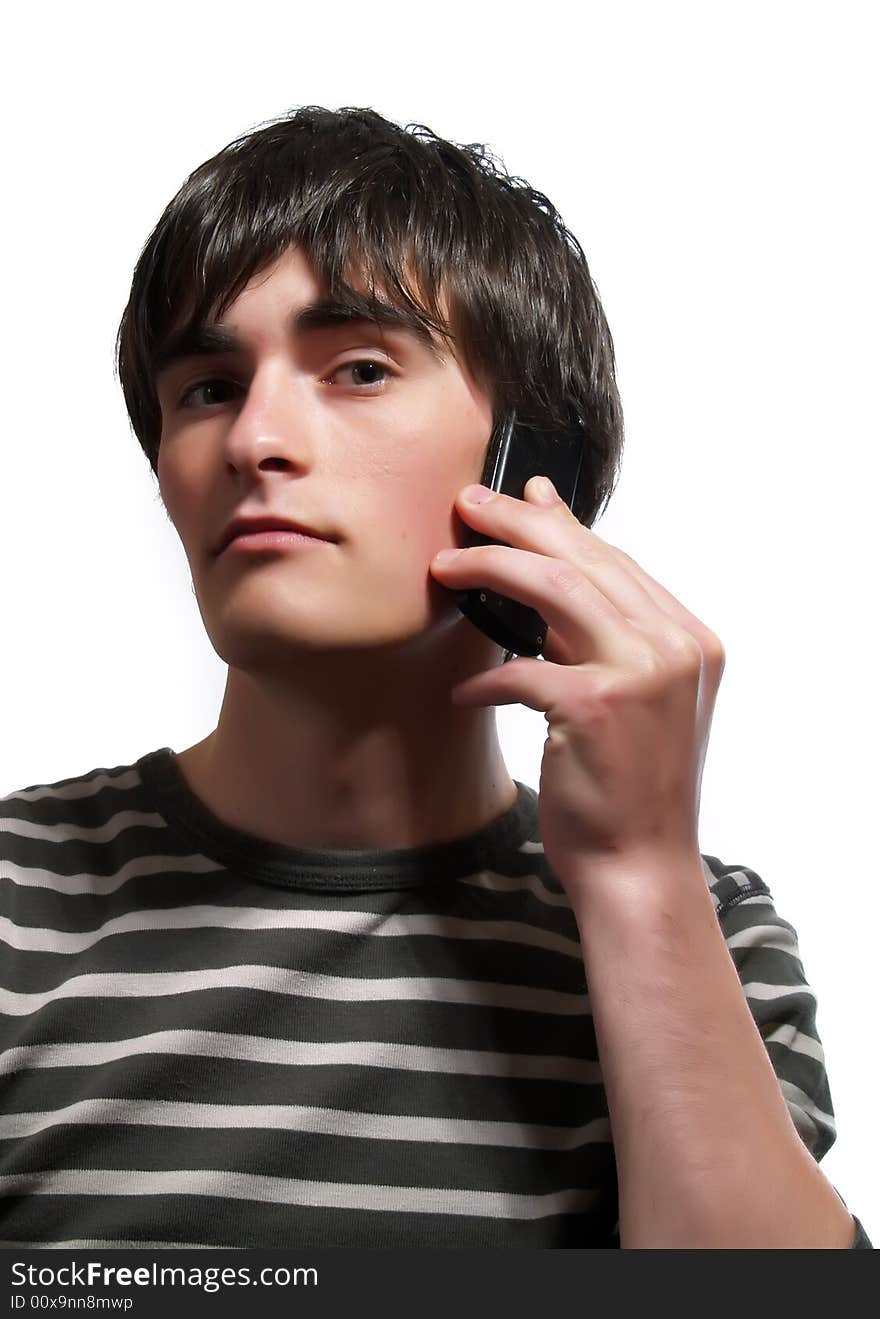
(731, 883)
(52, 833)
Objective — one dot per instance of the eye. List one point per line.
(205, 384)
(371, 366)
(363, 364)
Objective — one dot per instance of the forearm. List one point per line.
(707, 1154)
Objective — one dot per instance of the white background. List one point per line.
(719, 164)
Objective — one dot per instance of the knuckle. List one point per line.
(686, 654)
(656, 672)
(565, 578)
(627, 558)
(716, 653)
(693, 654)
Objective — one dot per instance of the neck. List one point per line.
(341, 756)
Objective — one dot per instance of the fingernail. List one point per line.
(446, 556)
(477, 494)
(543, 489)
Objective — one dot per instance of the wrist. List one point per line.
(641, 886)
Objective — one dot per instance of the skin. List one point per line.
(337, 729)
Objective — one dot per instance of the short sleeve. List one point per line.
(861, 1241)
(765, 952)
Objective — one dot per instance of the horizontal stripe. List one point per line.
(493, 882)
(305, 1053)
(767, 993)
(280, 981)
(298, 1117)
(69, 832)
(796, 1040)
(109, 1243)
(275, 980)
(797, 1098)
(289, 1191)
(311, 1156)
(356, 923)
(77, 789)
(438, 1025)
(764, 936)
(166, 868)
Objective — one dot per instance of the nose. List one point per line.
(276, 421)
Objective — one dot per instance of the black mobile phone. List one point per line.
(518, 451)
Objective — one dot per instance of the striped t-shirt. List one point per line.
(210, 1040)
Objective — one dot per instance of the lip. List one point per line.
(276, 539)
(248, 525)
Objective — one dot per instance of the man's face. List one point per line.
(353, 429)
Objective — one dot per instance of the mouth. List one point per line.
(276, 539)
(247, 528)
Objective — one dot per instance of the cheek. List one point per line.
(418, 516)
(406, 539)
(169, 483)
(183, 480)
(181, 509)
(173, 506)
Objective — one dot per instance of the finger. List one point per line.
(636, 595)
(552, 529)
(708, 640)
(523, 681)
(563, 594)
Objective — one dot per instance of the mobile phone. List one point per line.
(518, 451)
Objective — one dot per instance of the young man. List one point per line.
(330, 976)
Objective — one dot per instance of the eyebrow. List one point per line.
(210, 340)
